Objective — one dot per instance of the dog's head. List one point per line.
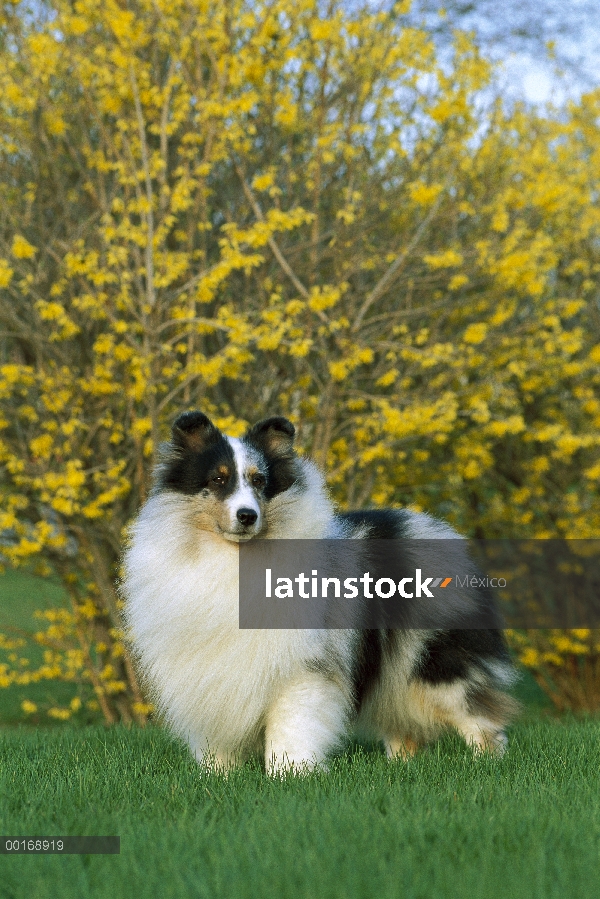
(231, 480)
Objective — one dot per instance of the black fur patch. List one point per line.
(449, 655)
(367, 664)
(274, 439)
(190, 472)
(380, 524)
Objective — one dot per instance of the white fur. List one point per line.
(217, 685)
(244, 497)
(304, 723)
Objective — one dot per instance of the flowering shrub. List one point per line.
(565, 664)
(79, 647)
(256, 207)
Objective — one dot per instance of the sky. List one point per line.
(515, 33)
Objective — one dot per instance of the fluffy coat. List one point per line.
(293, 695)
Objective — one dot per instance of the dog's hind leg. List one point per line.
(479, 713)
(403, 748)
(305, 723)
(484, 736)
(459, 682)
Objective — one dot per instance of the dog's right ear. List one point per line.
(194, 432)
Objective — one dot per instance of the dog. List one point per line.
(292, 694)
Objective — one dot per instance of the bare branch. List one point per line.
(150, 292)
(197, 320)
(271, 240)
(390, 275)
(173, 393)
(405, 313)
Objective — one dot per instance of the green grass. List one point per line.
(442, 825)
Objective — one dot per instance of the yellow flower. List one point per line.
(530, 657)
(21, 248)
(447, 259)
(59, 714)
(6, 273)
(475, 333)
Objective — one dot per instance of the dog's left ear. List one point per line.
(275, 436)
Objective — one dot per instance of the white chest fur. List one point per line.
(213, 681)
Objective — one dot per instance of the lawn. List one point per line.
(440, 825)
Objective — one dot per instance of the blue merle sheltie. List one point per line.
(291, 694)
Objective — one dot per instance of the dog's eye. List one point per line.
(258, 481)
(218, 481)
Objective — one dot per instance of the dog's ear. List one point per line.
(194, 432)
(274, 436)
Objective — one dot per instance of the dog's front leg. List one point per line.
(306, 721)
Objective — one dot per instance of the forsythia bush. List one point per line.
(293, 208)
(565, 664)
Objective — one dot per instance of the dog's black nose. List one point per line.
(246, 516)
